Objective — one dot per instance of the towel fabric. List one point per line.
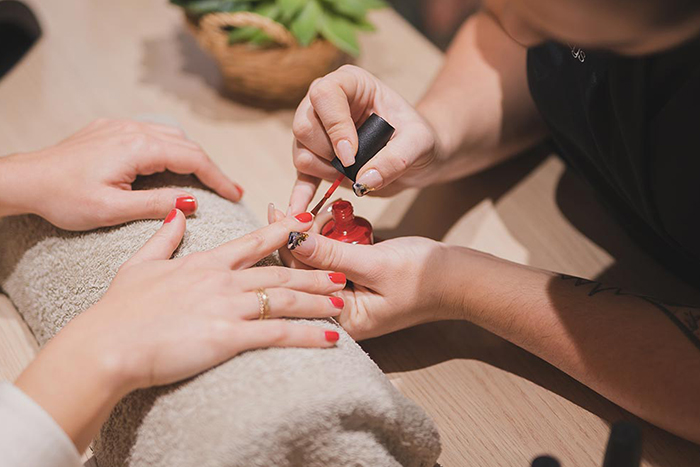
(270, 407)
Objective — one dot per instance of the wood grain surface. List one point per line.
(495, 404)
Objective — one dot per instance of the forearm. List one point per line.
(76, 383)
(638, 352)
(479, 104)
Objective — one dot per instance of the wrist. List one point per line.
(15, 197)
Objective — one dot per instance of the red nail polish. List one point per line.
(239, 188)
(186, 204)
(337, 302)
(347, 228)
(304, 217)
(332, 336)
(337, 277)
(171, 215)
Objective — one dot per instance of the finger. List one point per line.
(303, 193)
(309, 281)
(323, 217)
(330, 101)
(164, 242)
(280, 333)
(309, 131)
(127, 206)
(323, 253)
(167, 129)
(286, 303)
(275, 215)
(183, 159)
(398, 156)
(251, 248)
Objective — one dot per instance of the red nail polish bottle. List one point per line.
(346, 227)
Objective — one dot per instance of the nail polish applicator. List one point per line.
(372, 136)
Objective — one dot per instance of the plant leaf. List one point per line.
(201, 7)
(341, 33)
(269, 10)
(305, 27)
(260, 39)
(373, 4)
(354, 9)
(242, 34)
(290, 8)
(364, 25)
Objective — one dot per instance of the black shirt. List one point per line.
(631, 127)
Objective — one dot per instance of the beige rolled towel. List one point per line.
(272, 407)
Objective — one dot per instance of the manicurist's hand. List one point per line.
(325, 126)
(163, 320)
(84, 182)
(396, 283)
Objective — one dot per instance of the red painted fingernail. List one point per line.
(239, 188)
(171, 215)
(304, 217)
(337, 277)
(186, 204)
(337, 302)
(332, 336)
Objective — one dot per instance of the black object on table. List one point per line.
(19, 30)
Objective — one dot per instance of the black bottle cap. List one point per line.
(624, 446)
(545, 461)
(372, 136)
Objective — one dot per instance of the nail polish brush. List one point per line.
(372, 136)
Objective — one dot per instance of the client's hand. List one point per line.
(163, 320)
(84, 182)
(396, 283)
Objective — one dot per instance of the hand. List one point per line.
(84, 182)
(325, 126)
(165, 320)
(396, 283)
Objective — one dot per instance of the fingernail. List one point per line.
(337, 302)
(332, 336)
(171, 215)
(337, 277)
(304, 217)
(301, 242)
(345, 153)
(239, 188)
(369, 181)
(186, 204)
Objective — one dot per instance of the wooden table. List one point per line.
(495, 404)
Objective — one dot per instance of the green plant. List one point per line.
(337, 21)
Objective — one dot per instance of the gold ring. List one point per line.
(264, 302)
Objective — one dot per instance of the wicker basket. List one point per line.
(276, 76)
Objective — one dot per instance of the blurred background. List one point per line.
(438, 20)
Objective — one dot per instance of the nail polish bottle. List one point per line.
(346, 227)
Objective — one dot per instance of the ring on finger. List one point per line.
(264, 302)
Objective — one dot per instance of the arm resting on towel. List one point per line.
(143, 332)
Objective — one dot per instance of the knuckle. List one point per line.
(302, 128)
(287, 298)
(304, 161)
(322, 90)
(255, 240)
(277, 332)
(219, 332)
(282, 276)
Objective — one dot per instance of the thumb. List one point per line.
(323, 253)
(151, 204)
(330, 102)
(164, 242)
